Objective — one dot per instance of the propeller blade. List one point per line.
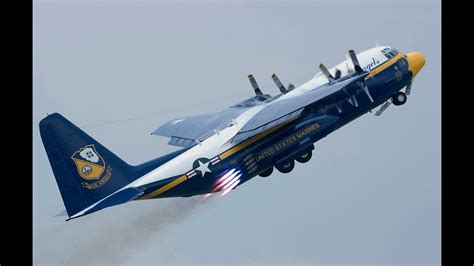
(355, 61)
(349, 69)
(290, 86)
(252, 80)
(338, 74)
(326, 72)
(353, 101)
(279, 84)
(366, 90)
(384, 107)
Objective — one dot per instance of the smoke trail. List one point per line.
(115, 243)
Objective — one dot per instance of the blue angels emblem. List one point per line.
(91, 166)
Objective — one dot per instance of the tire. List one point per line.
(399, 98)
(286, 167)
(267, 172)
(305, 157)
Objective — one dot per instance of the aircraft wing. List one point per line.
(185, 131)
(285, 109)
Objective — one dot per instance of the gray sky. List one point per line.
(371, 193)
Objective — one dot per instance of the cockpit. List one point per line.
(389, 52)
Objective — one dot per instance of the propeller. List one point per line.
(326, 73)
(279, 84)
(337, 75)
(358, 68)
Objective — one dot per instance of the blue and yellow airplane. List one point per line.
(223, 150)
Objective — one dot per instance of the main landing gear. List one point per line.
(267, 172)
(305, 157)
(288, 166)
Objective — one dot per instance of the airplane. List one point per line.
(223, 150)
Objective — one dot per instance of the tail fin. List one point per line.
(85, 171)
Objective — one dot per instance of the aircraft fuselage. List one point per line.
(263, 133)
(283, 143)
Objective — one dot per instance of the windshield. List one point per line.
(389, 52)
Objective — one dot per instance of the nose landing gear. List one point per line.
(399, 98)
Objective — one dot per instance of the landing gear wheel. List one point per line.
(399, 98)
(267, 172)
(305, 157)
(286, 167)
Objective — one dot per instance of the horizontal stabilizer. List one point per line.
(120, 197)
(61, 214)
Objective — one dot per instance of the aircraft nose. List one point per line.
(416, 61)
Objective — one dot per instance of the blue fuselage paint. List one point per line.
(285, 144)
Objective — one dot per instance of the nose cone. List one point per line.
(416, 61)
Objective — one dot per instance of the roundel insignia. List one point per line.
(90, 165)
(202, 166)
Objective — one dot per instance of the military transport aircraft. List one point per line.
(223, 150)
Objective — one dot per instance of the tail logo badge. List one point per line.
(91, 166)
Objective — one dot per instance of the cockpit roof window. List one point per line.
(389, 53)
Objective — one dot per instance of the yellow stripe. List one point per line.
(244, 144)
(166, 187)
(383, 66)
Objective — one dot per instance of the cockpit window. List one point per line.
(389, 53)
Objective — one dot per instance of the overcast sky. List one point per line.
(371, 193)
